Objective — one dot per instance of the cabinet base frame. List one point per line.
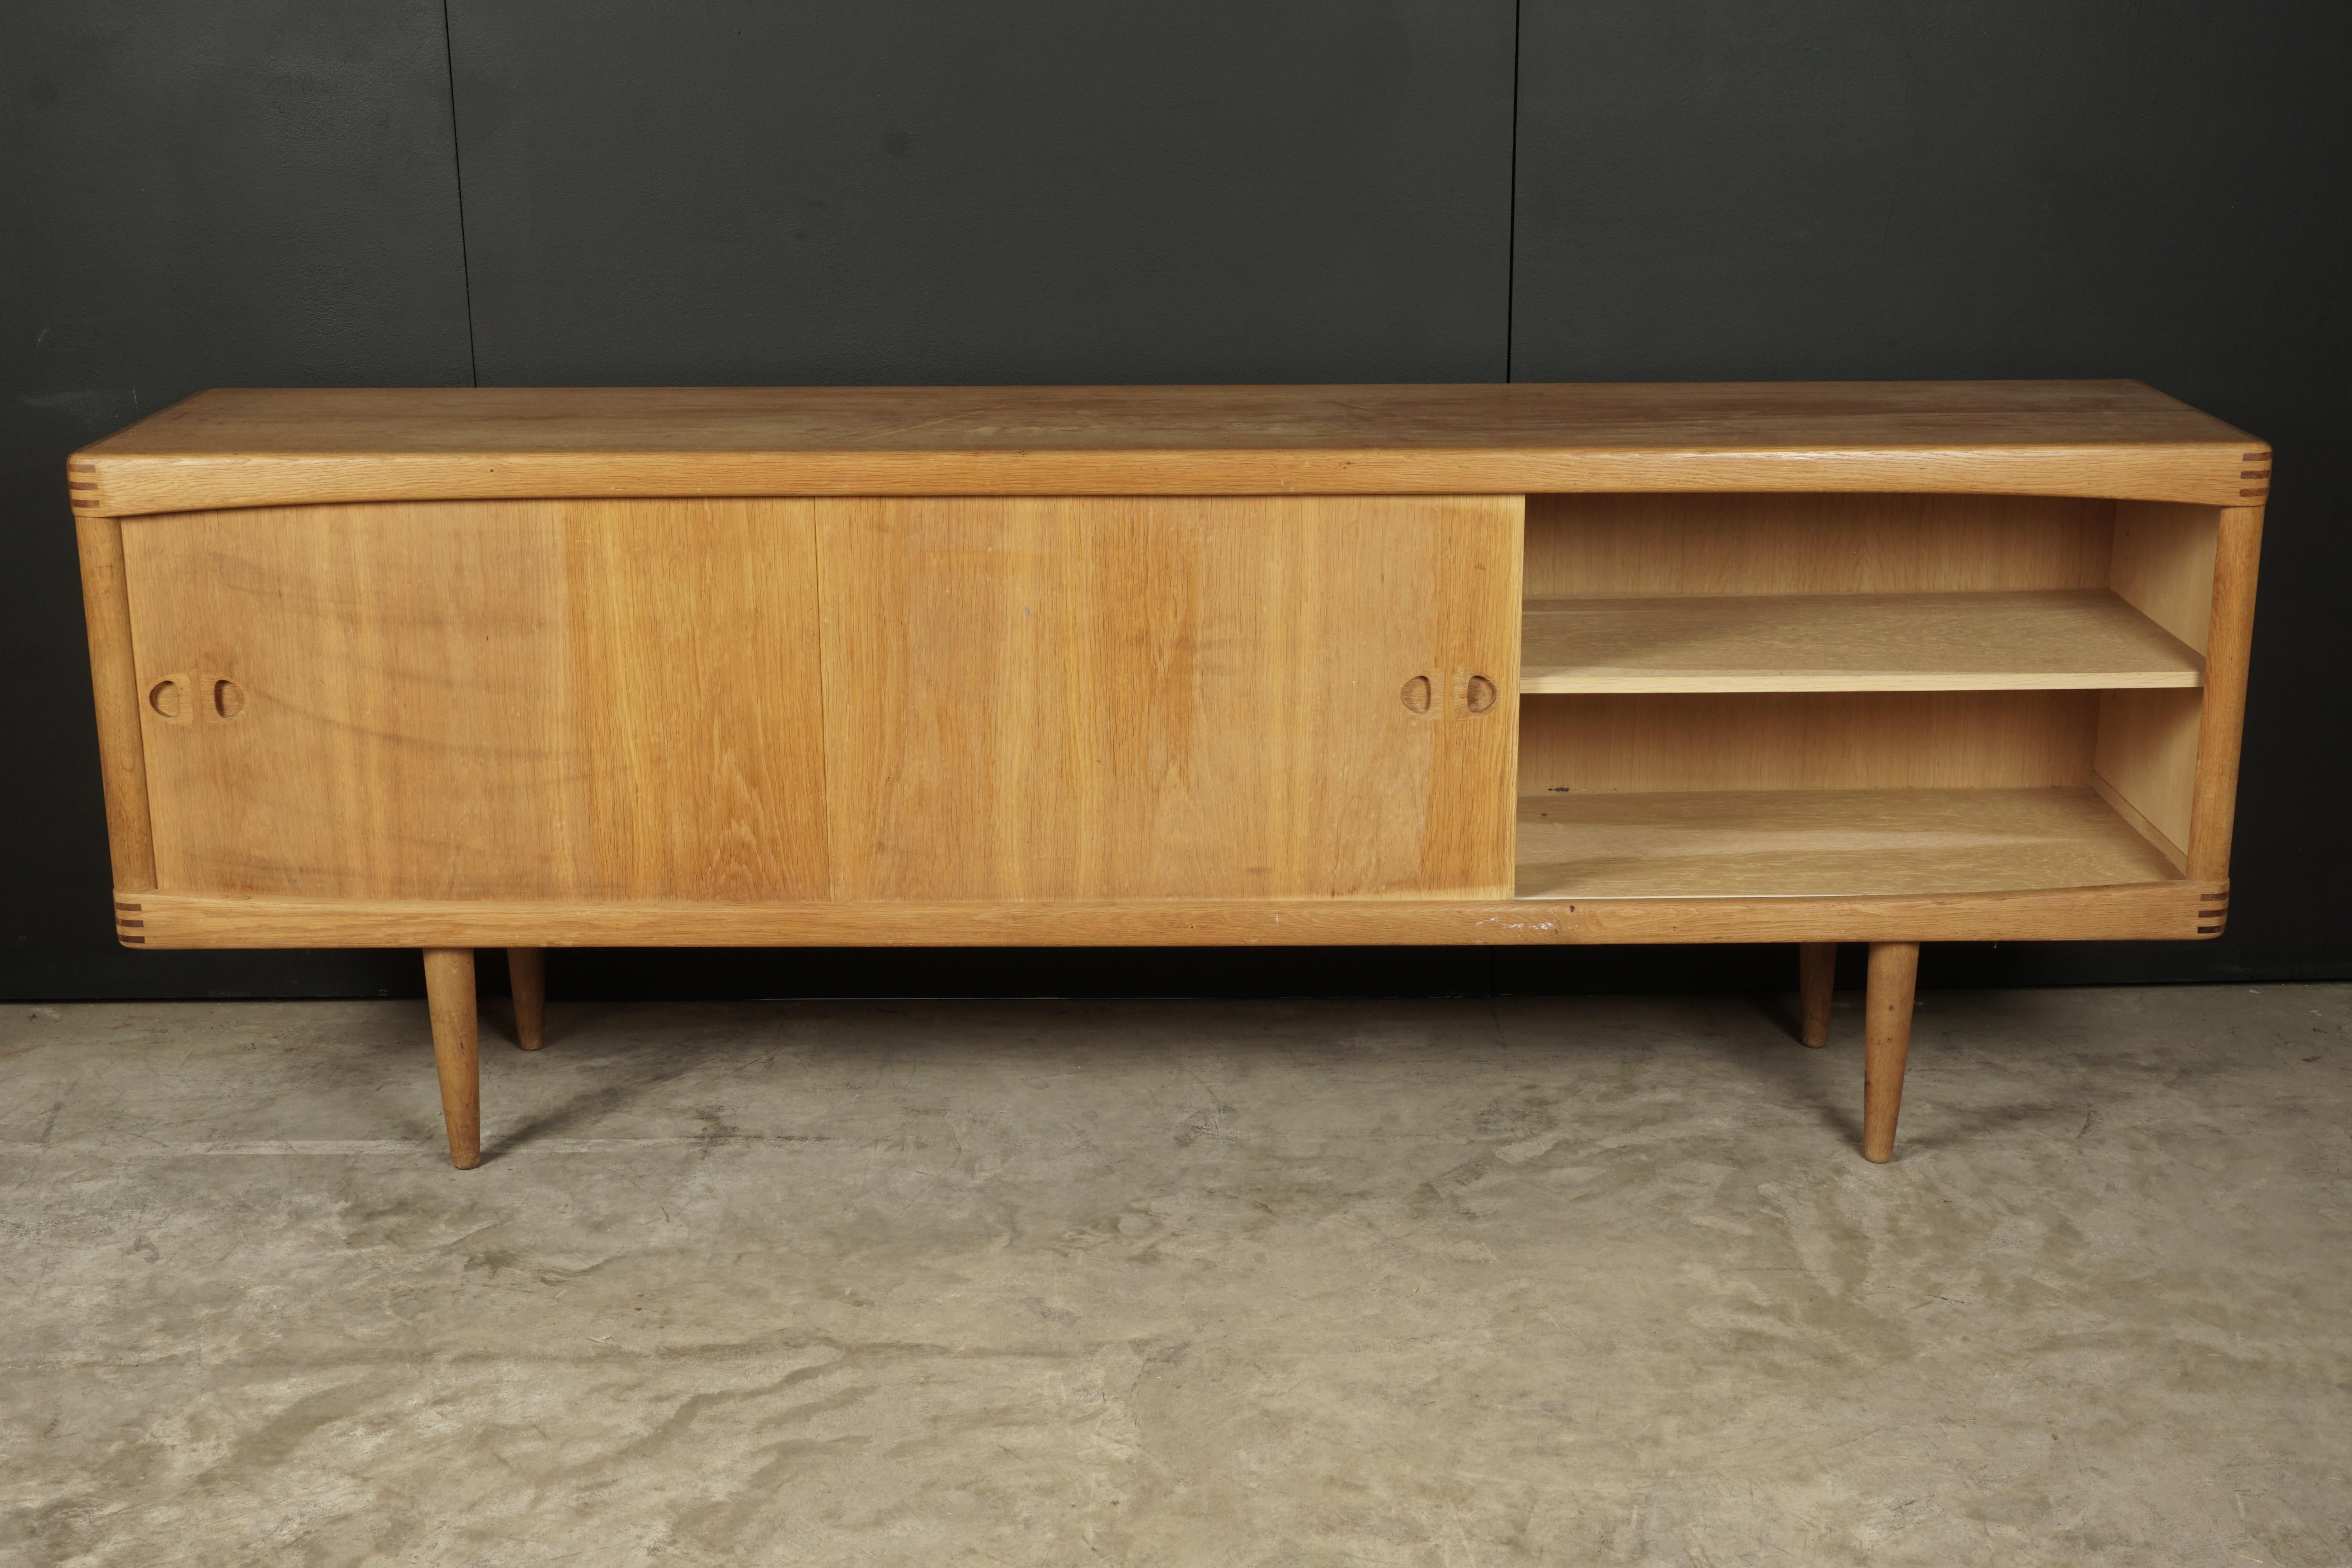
(1893, 926)
(2149, 911)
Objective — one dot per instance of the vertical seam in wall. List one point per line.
(1511, 225)
(457, 172)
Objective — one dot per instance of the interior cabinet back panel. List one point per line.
(483, 700)
(1593, 547)
(1153, 698)
(1809, 740)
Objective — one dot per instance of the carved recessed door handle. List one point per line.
(169, 698)
(1469, 695)
(175, 698)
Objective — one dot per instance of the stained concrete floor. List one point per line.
(1287, 1285)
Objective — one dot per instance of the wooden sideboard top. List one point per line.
(241, 448)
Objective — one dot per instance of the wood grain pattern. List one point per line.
(2051, 639)
(1190, 665)
(114, 683)
(1810, 740)
(2221, 721)
(2174, 910)
(2139, 824)
(562, 699)
(2146, 755)
(1827, 842)
(568, 761)
(456, 1049)
(1886, 1042)
(2146, 762)
(2163, 563)
(693, 630)
(275, 447)
(1599, 546)
(1816, 990)
(527, 980)
(1043, 699)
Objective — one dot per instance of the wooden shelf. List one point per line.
(1765, 843)
(2043, 640)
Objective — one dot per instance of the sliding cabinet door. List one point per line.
(557, 699)
(1171, 698)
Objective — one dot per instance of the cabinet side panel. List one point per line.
(2164, 565)
(488, 699)
(2148, 755)
(1058, 699)
(114, 683)
(2237, 556)
(2172, 756)
(1594, 546)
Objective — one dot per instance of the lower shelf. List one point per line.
(1782, 843)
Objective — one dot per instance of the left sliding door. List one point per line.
(483, 700)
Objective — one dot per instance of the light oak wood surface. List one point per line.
(273, 447)
(2162, 563)
(1831, 842)
(1051, 699)
(1816, 990)
(1886, 1042)
(2170, 910)
(2165, 561)
(456, 1049)
(527, 978)
(2222, 717)
(1888, 663)
(2050, 639)
(1600, 546)
(2164, 843)
(114, 684)
(1807, 740)
(2146, 756)
(490, 699)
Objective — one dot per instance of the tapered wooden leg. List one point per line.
(1886, 1042)
(527, 971)
(456, 1049)
(1816, 979)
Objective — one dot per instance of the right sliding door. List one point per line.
(1050, 699)
(1761, 695)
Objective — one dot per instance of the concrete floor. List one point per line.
(1289, 1285)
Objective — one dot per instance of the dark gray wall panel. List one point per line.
(1847, 188)
(912, 191)
(200, 194)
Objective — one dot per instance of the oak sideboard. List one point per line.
(1815, 663)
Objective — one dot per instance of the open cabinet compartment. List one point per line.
(1766, 695)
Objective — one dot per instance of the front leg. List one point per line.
(456, 1049)
(1886, 1042)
